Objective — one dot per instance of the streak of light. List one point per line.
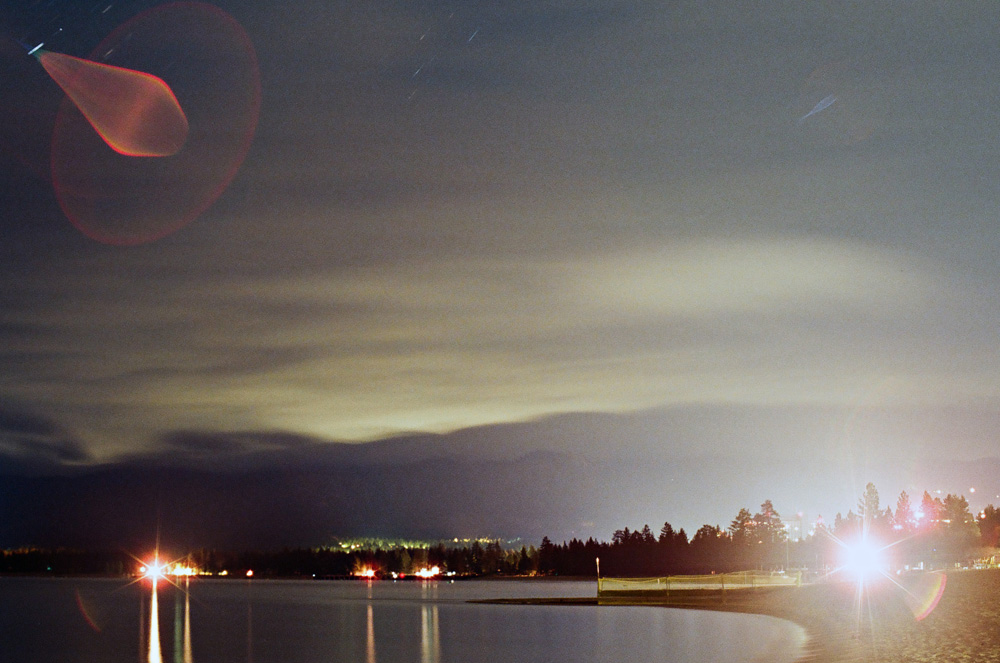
(155, 655)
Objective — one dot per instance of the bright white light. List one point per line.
(863, 559)
(153, 570)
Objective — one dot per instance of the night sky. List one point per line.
(480, 214)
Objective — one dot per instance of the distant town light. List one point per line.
(180, 571)
(429, 573)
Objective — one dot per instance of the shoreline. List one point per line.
(881, 626)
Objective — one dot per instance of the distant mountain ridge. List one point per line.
(124, 506)
(574, 475)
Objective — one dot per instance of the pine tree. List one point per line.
(903, 521)
(961, 529)
(770, 529)
(742, 529)
(868, 507)
(930, 510)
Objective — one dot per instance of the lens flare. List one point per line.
(866, 560)
(211, 68)
(135, 113)
(86, 611)
(924, 593)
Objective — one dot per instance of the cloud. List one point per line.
(29, 440)
(711, 277)
(359, 352)
(601, 206)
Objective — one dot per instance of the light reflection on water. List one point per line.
(370, 636)
(217, 621)
(182, 625)
(154, 629)
(370, 627)
(430, 632)
(430, 635)
(249, 629)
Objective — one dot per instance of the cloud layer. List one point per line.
(476, 214)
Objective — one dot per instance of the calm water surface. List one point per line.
(217, 621)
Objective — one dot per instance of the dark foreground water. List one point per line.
(217, 621)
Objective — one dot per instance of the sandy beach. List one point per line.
(882, 626)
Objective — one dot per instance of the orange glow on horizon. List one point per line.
(155, 570)
(432, 572)
(180, 571)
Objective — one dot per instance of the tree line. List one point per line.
(931, 532)
(753, 540)
(935, 532)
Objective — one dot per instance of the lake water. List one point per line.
(218, 621)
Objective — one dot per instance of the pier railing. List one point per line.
(716, 581)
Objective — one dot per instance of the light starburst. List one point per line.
(865, 562)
